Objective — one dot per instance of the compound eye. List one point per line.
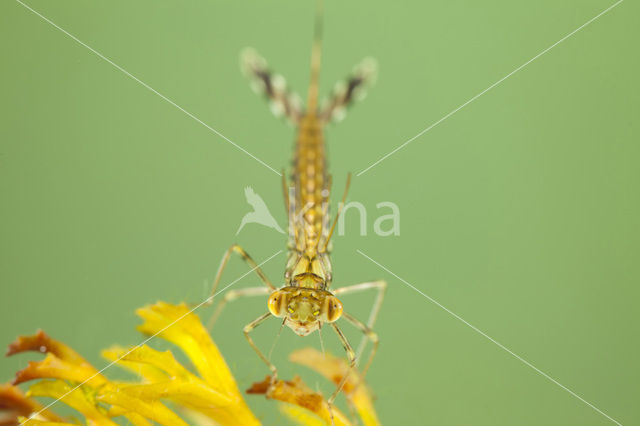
(276, 303)
(333, 309)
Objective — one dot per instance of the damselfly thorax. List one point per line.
(305, 301)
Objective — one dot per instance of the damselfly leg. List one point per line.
(247, 330)
(237, 293)
(380, 286)
(232, 295)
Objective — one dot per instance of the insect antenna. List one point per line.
(321, 341)
(273, 345)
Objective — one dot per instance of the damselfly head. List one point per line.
(304, 309)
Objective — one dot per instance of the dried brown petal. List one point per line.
(297, 393)
(334, 369)
(55, 368)
(41, 342)
(16, 403)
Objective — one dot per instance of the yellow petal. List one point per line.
(179, 385)
(196, 394)
(77, 398)
(161, 361)
(145, 371)
(177, 325)
(300, 415)
(153, 410)
(199, 419)
(137, 420)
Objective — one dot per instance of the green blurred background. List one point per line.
(519, 213)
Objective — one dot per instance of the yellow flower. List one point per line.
(165, 391)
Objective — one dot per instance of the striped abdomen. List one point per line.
(310, 183)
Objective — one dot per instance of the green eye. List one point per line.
(316, 313)
(290, 309)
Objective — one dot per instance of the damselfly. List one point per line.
(305, 302)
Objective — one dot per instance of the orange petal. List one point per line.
(18, 404)
(55, 368)
(41, 342)
(35, 422)
(334, 369)
(297, 393)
